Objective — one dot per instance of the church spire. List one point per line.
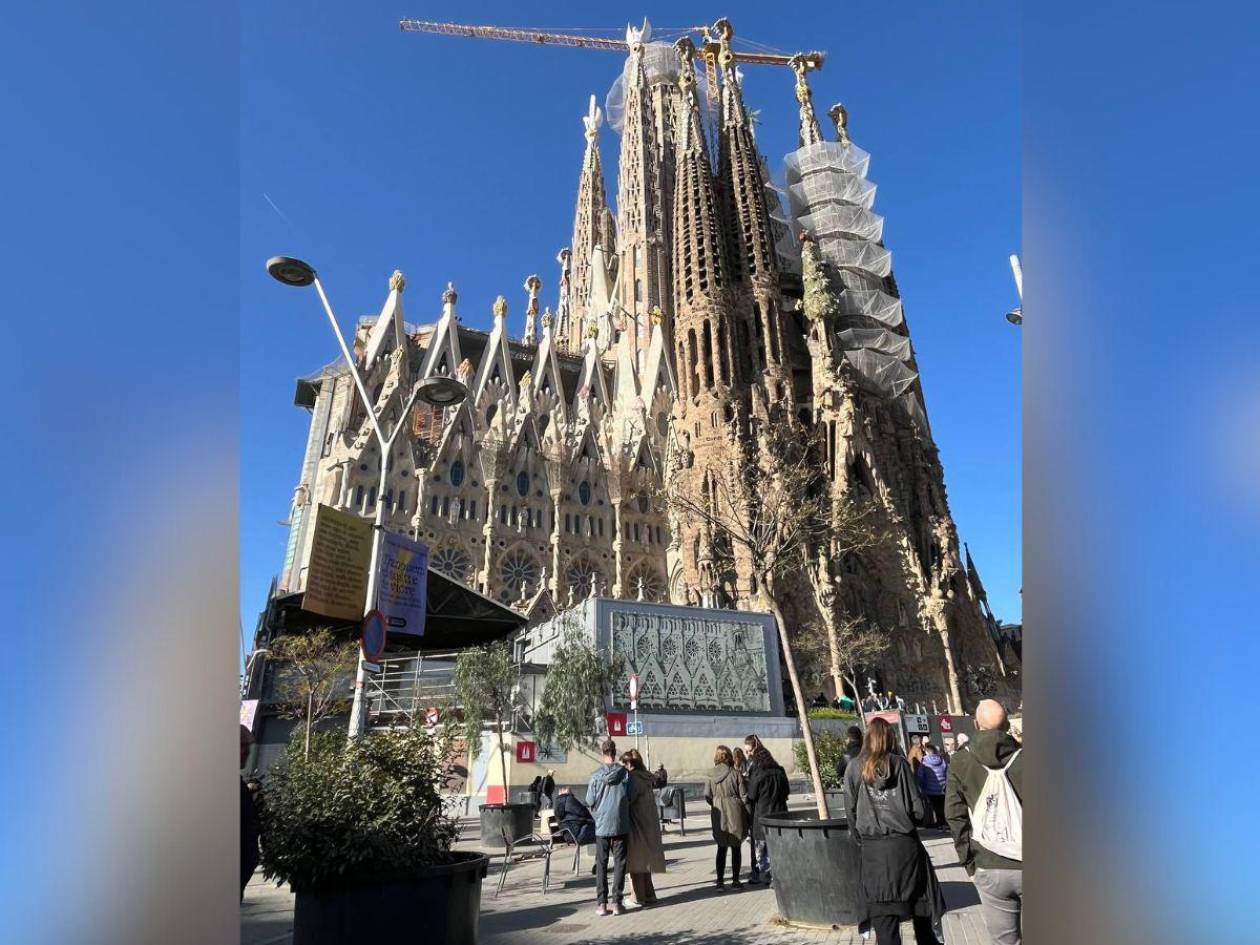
(532, 285)
(810, 132)
(587, 220)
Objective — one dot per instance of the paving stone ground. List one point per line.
(690, 910)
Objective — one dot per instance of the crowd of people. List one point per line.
(975, 793)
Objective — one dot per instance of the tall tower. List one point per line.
(754, 267)
(642, 204)
(710, 420)
(588, 221)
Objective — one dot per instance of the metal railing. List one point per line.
(407, 687)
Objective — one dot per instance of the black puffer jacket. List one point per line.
(768, 791)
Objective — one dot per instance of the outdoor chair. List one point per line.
(672, 804)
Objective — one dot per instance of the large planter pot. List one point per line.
(499, 820)
(815, 868)
(438, 905)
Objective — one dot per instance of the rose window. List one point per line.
(517, 570)
(582, 576)
(453, 562)
(652, 583)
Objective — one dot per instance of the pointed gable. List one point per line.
(388, 333)
(495, 382)
(444, 356)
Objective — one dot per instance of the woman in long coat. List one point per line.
(646, 853)
(724, 790)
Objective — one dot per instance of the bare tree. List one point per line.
(766, 512)
(317, 679)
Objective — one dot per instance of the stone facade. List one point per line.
(680, 327)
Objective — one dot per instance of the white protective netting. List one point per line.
(660, 64)
(829, 197)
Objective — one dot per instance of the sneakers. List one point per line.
(736, 884)
(603, 910)
(619, 909)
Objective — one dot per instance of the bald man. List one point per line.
(999, 878)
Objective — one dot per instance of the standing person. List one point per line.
(724, 791)
(608, 798)
(249, 818)
(960, 743)
(882, 803)
(984, 808)
(549, 789)
(768, 793)
(852, 747)
(931, 775)
(742, 766)
(646, 854)
(915, 754)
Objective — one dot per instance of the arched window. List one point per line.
(522, 483)
(457, 473)
(708, 355)
(584, 492)
(691, 362)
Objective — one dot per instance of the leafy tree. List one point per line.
(579, 681)
(830, 746)
(338, 807)
(487, 691)
(317, 677)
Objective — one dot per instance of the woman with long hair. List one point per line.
(767, 794)
(883, 805)
(724, 791)
(646, 852)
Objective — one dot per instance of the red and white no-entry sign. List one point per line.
(432, 715)
(634, 690)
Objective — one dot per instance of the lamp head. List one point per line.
(441, 391)
(1016, 316)
(290, 271)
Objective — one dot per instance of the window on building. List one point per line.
(457, 473)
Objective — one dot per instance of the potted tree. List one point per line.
(359, 830)
(579, 681)
(487, 691)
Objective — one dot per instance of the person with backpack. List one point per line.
(984, 809)
(933, 771)
(883, 806)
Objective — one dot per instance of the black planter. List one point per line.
(815, 868)
(497, 820)
(438, 905)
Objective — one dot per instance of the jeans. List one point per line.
(603, 845)
(1001, 901)
(761, 856)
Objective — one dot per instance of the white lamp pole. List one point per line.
(437, 391)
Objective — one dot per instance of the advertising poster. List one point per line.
(402, 584)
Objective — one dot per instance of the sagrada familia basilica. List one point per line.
(713, 300)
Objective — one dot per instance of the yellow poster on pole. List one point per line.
(337, 575)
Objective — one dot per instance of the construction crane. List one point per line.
(709, 44)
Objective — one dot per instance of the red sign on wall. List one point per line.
(945, 723)
(526, 752)
(616, 723)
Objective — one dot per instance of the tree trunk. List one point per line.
(310, 711)
(502, 758)
(951, 670)
(802, 709)
(857, 701)
(837, 676)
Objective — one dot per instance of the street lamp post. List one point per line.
(1016, 315)
(437, 391)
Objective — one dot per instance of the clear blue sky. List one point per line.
(365, 149)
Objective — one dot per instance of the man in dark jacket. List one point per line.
(767, 794)
(608, 797)
(573, 816)
(999, 879)
(852, 748)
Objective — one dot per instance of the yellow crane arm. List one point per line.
(813, 59)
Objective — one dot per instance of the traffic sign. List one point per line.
(945, 723)
(373, 636)
(525, 752)
(370, 667)
(634, 690)
(432, 716)
(634, 728)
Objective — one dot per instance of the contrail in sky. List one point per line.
(279, 212)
